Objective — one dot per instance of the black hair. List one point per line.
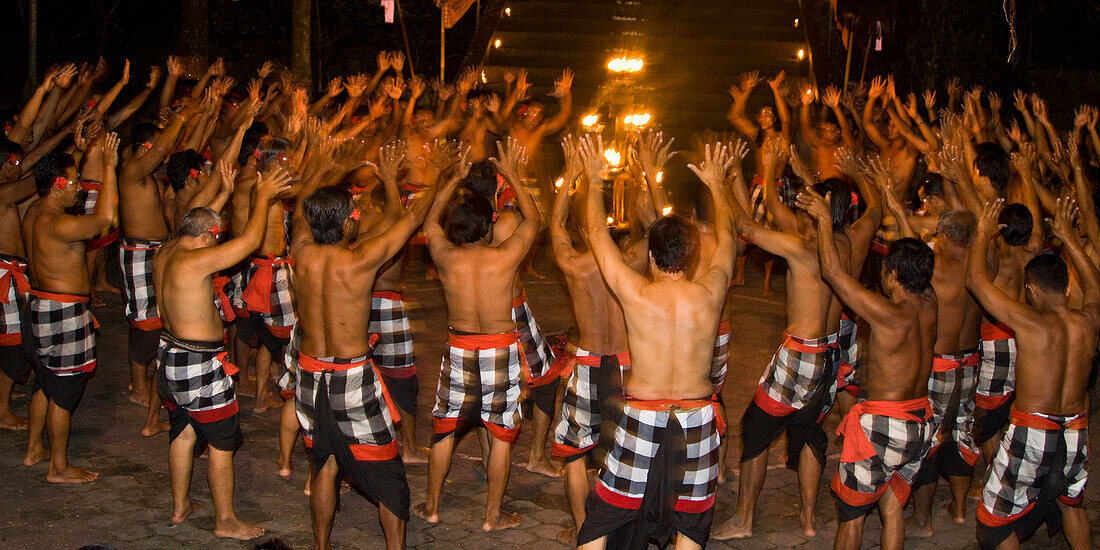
(272, 151)
(912, 263)
(467, 218)
(253, 136)
(143, 132)
(932, 184)
(180, 166)
(197, 221)
(1018, 224)
(839, 200)
(325, 211)
(673, 243)
(482, 180)
(991, 161)
(9, 147)
(1048, 272)
(49, 168)
(958, 226)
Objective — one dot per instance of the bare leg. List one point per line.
(536, 460)
(576, 490)
(264, 398)
(393, 527)
(893, 522)
(89, 264)
(99, 275)
(36, 425)
(8, 419)
(739, 271)
(219, 473)
(181, 459)
(960, 485)
(724, 471)
(500, 466)
(58, 422)
(598, 544)
(322, 502)
(288, 432)
(153, 425)
(809, 478)
(411, 451)
(684, 543)
(921, 521)
(243, 356)
(1075, 525)
(439, 463)
(139, 388)
(768, 265)
(739, 526)
(849, 535)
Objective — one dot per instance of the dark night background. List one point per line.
(926, 41)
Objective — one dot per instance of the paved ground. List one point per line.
(128, 507)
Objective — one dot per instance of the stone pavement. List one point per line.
(128, 507)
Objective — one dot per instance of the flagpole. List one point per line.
(442, 40)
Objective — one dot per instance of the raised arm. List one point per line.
(216, 258)
(806, 98)
(652, 153)
(782, 109)
(978, 280)
(174, 70)
(109, 98)
(510, 163)
(873, 94)
(142, 165)
(832, 100)
(717, 161)
(561, 242)
(740, 96)
(122, 115)
(773, 156)
(105, 214)
(30, 111)
(865, 303)
(620, 278)
(563, 91)
(391, 160)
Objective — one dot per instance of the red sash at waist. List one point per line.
(996, 331)
(257, 295)
(856, 445)
(1031, 420)
(943, 364)
(17, 272)
(476, 342)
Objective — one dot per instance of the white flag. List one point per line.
(387, 5)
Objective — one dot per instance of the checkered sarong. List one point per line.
(357, 397)
(64, 332)
(393, 353)
(641, 430)
(997, 373)
(238, 280)
(721, 358)
(951, 391)
(756, 198)
(538, 354)
(135, 257)
(269, 293)
(481, 377)
(849, 355)
(197, 377)
(287, 371)
(795, 373)
(1025, 479)
(13, 293)
(223, 287)
(586, 393)
(85, 205)
(884, 444)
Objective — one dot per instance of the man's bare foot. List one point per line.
(421, 510)
(237, 529)
(11, 421)
(149, 430)
(958, 516)
(733, 528)
(808, 523)
(767, 291)
(568, 537)
(283, 471)
(34, 456)
(532, 272)
(542, 467)
(181, 516)
(72, 474)
(432, 274)
(725, 474)
(418, 455)
(266, 403)
(740, 281)
(309, 483)
(507, 520)
(139, 398)
(918, 529)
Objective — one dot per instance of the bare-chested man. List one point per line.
(799, 385)
(954, 371)
(15, 365)
(896, 151)
(61, 320)
(343, 404)
(1040, 467)
(144, 230)
(482, 369)
(828, 136)
(194, 373)
(667, 434)
(887, 436)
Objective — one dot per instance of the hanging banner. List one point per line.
(387, 7)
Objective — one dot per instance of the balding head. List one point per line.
(199, 221)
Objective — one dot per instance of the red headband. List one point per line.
(256, 154)
(193, 173)
(354, 214)
(61, 182)
(216, 230)
(90, 104)
(13, 159)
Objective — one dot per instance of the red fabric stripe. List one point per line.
(1029, 420)
(148, 324)
(853, 497)
(475, 342)
(769, 405)
(399, 372)
(444, 425)
(565, 451)
(312, 364)
(100, 242)
(594, 360)
(374, 452)
(388, 295)
(996, 331)
(501, 433)
(213, 415)
(991, 402)
(694, 506)
(617, 500)
(15, 272)
(519, 300)
(856, 445)
(280, 332)
(939, 364)
(60, 297)
(14, 339)
(992, 520)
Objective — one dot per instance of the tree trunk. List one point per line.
(299, 39)
(195, 34)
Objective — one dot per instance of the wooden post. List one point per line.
(442, 42)
(301, 21)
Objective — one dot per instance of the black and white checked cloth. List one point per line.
(481, 378)
(537, 351)
(136, 260)
(195, 376)
(64, 332)
(356, 396)
(586, 396)
(393, 353)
